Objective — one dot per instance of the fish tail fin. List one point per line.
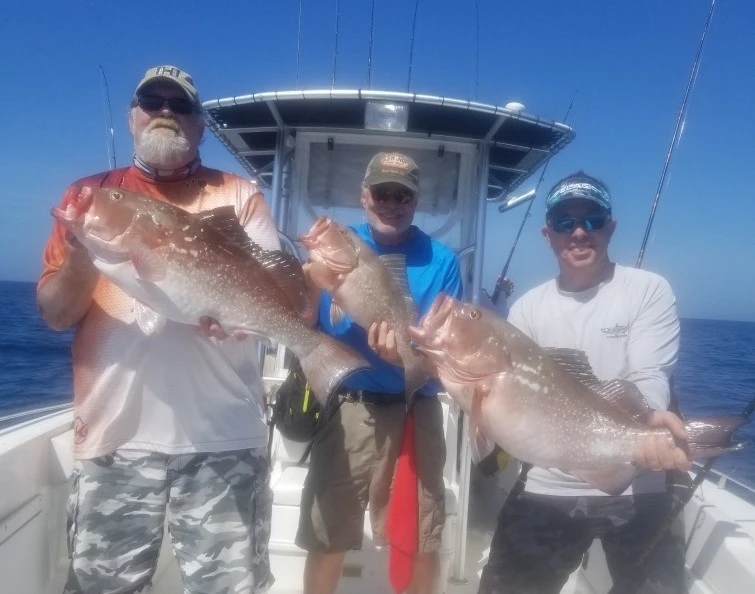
(328, 364)
(415, 374)
(713, 436)
(414, 378)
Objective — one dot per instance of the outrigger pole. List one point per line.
(677, 132)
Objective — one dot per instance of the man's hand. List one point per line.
(213, 329)
(78, 261)
(382, 340)
(507, 286)
(659, 452)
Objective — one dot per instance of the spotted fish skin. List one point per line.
(368, 287)
(182, 266)
(544, 406)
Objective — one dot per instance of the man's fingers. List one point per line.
(211, 328)
(372, 336)
(671, 422)
(383, 335)
(390, 341)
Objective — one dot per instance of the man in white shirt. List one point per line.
(625, 321)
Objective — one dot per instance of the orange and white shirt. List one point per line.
(175, 391)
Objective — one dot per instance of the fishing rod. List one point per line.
(676, 509)
(686, 497)
(411, 47)
(677, 132)
(109, 116)
(501, 277)
(335, 48)
(298, 43)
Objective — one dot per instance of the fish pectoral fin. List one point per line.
(337, 314)
(626, 397)
(148, 266)
(575, 363)
(613, 480)
(475, 414)
(148, 320)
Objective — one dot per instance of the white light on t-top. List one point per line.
(387, 116)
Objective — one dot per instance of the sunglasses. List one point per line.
(383, 195)
(177, 105)
(567, 224)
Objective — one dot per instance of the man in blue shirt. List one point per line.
(354, 455)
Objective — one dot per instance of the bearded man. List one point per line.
(167, 425)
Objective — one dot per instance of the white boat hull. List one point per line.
(36, 461)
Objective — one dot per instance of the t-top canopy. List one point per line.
(249, 126)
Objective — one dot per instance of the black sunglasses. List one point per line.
(383, 195)
(567, 224)
(177, 105)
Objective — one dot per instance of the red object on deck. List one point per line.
(403, 513)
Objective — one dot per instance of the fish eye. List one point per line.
(475, 314)
(116, 195)
(342, 231)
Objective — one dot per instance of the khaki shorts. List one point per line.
(352, 465)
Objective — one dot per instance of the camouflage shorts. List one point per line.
(218, 508)
(541, 539)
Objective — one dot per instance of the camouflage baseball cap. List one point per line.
(174, 75)
(392, 167)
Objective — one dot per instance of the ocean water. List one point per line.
(715, 374)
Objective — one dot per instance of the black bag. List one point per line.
(296, 412)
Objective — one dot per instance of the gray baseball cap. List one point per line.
(393, 167)
(174, 75)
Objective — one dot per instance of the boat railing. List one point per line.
(728, 483)
(13, 420)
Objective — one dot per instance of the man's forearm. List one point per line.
(64, 297)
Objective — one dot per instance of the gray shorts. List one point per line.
(218, 507)
(352, 465)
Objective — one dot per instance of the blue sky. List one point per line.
(629, 60)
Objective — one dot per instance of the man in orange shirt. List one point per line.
(170, 424)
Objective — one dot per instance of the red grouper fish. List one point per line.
(368, 287)
(545, 406)
(183, 266)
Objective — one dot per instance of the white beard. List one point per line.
(163, 148)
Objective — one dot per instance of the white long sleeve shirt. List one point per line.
(628, 328)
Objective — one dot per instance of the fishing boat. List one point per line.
(308, 150)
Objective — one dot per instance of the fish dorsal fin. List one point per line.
(575, 363)
(223, 220)
(288, 274)
(337, 314)
(626, 397)
(396, 266)
(621, 394)
(285, 268)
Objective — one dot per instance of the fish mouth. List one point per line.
(340, 259)
(428, 335)
(320, 226)
(74, 215)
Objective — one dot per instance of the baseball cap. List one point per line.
(582, 186)
(171, 74)
(393, 167)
